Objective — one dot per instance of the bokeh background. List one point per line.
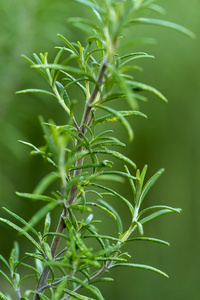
(169, 138)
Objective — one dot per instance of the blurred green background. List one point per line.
(169, 138)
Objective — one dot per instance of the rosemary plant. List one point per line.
(64, 264)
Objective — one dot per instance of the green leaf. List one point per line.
(36, 91)
(88, 286)
(137, 86)
(80, 207)
(64, 94)
(102, 207)
(113, 118)
(5, 262)
(133, 56)
(76, 295)
(83, 21)
(149, 184)
(115, 154)
(116, 215)
(7, 278)
(3, 297)
(113, 193)
(44, 183)
(69, 44)
(91, 5)
(59, 290)
(41, 214)
(177, 210)
(155, 215)
(146, 267)
(149, 239)
(163, 24)
(21, 220)
(36, 197)
(23, 232)
(43, 297)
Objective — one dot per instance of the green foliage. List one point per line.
(76, 155)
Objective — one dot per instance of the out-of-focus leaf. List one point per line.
(44, 183)
(7, 278)
(163, 23)
(91, 5)
(23, 232)
(41, 213)
(20, 220)
(2, 259)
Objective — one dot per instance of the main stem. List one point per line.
(86, 119)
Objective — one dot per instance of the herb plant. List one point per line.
(67, 261)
